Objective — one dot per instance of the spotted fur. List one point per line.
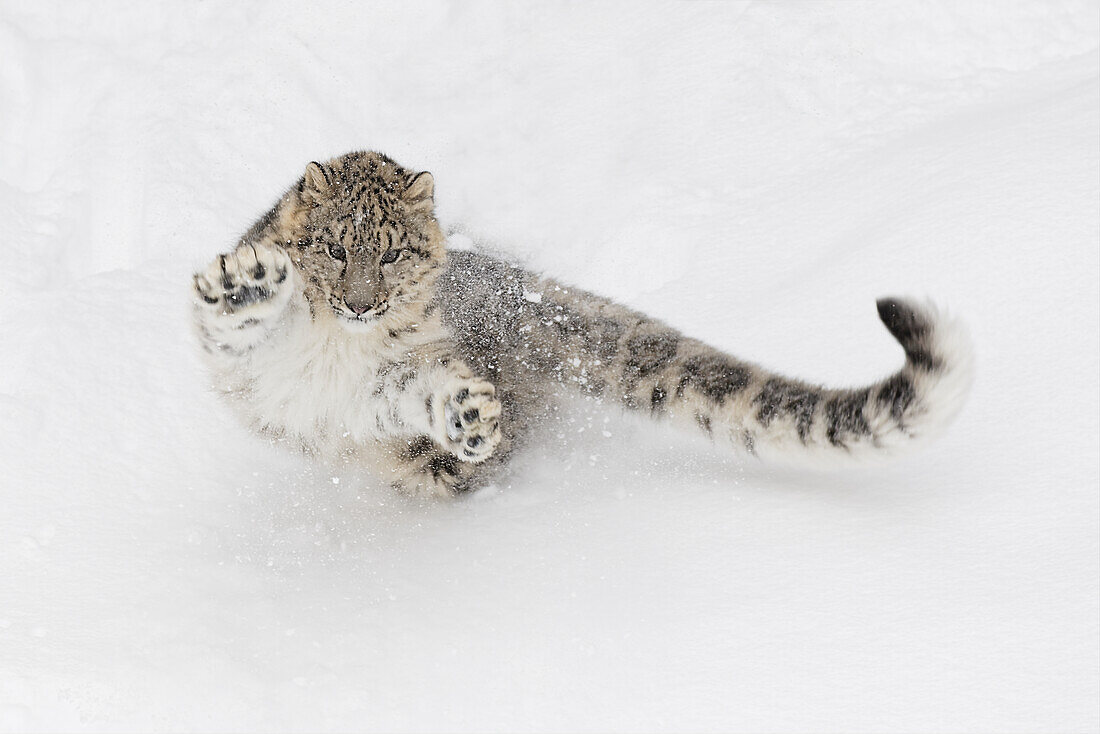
(573, 341)
(342, 325)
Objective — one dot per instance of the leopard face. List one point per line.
(362, 232)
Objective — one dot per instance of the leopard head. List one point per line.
(362, 232)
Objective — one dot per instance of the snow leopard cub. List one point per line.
(342, 325)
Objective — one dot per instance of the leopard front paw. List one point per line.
(470, 420)
(252, 278)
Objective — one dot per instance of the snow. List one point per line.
(755, 174)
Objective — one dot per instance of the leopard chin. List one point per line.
(363, 324)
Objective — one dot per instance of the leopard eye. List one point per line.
(337, 251)
(390, 255)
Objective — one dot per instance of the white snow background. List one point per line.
(756, 174)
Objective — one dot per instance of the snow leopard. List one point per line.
(342, 325)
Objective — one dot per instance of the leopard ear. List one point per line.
(420, 191)
(317, 183)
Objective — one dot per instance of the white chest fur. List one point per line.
(314, 383)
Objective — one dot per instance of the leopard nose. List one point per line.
(358, 308)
